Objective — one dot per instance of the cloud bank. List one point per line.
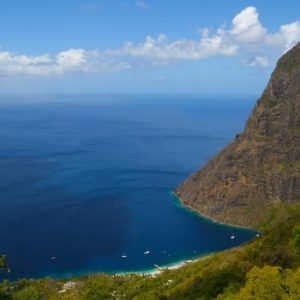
(245, 38)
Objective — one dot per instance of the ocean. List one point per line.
(87, 179)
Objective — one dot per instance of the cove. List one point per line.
(87, 180)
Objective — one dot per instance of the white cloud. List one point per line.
(287, 36)
(161, 50)
(247, 28)
(257, 61)
(12, 64)
(246, 38)
(71, 59)
(142, 4)
(254, 39)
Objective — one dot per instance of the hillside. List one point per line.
(261, 166)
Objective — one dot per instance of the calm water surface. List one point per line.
(89, 179)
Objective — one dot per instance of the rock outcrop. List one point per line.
(262, 165)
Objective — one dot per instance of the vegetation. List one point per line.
(272, 103)
(290, 168)
(297, 241)
(266, 268)
(2, 263)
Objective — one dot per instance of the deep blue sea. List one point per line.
(87, 179)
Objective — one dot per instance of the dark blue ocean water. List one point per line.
(88, 179)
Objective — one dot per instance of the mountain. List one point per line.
(261, 167)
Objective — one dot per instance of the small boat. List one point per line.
(124, 256)
(147, 252)
(232, 236)
(53, 257)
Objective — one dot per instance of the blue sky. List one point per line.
(143, 46)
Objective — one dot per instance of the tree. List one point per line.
(293, 283)
(297, 241)
(263, 283)
(3, 265)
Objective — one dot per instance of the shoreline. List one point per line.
(158, 270)
(177, 265)
(206, 217)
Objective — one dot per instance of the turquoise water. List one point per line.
(86, 180)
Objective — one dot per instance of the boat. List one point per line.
(124, 256)
(53, 257)
(147, 252)
(232, 236)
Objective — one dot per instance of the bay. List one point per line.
(87, 179)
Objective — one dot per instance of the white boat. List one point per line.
(124, 256)
(53, 257)
(147, 252)
(232, 236)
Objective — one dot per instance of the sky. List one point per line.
(209, 47)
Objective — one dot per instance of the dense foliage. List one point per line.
(266, 268)
(297, 241)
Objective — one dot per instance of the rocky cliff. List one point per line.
(262, 165)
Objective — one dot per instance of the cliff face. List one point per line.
(262, 165)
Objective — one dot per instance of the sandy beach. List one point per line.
(160, 269)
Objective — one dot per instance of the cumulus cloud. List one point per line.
(256, 42)
(161, 49)
(72, 60)
(287, 36)
(246, 27)
(245, 38)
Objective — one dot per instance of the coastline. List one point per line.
(208, 218)
(177, 265)
(158, 270)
